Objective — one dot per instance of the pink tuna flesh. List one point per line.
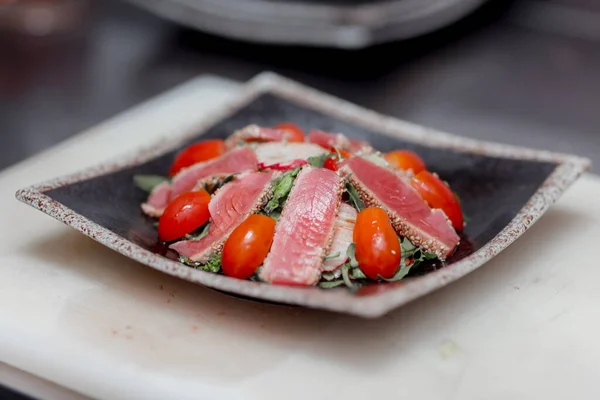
(342, 237)
(255, 133)
(328, 140)
(157, 200)
(305, 229)
(228, 208)
(410, 215)
(360, 146)
(233, 162)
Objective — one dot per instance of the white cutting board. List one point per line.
(525, 326)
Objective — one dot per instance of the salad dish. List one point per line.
(275, 205)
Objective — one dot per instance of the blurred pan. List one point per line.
(350, 24)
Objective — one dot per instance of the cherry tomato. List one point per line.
(186, 213)
(405, 159)
(438, 195)
(296, 134)
(197, 152)
(377, 245)
(331, 163)
(247, 246)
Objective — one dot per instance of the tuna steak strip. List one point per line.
(228, 208)
(338, 140)
(409, 214)
(157, 200)
(305, 229)
(194, 177)
(328, 140)
(233, 162)
(342, 237)
(255, 133)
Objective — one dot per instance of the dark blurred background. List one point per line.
(524, 72)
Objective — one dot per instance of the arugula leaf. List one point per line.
(318, 161)
(354, 197)
(281, 191)
(212, 187)
(255, 277)
(275, 215)
(330, 256)
(328, 276)
(296, 171)
(198, 235)
(357, 273)
(212, 265)
(346, 276)
(148, 182)
(351, 253)
(331, 284)
(402, 272)
(407, 248)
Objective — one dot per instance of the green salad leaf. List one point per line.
(402, 272)
(318, 161)
(331, 284)
(354, 197)
(215, 185)
(148, 182)
(197, 235)
(282, 189)
(212, 265)
(329, 276)
(351, 253)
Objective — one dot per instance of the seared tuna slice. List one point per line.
(409, 214)
(330, 140)
(228, 208)
(157, 200)
(233, 162)
(342, 237)
(255, 133)
(305, 229)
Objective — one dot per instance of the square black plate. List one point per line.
(503, 190)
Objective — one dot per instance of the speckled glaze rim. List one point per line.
(568, 169)
(343, 26)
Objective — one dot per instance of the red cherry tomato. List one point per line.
(438, 195)
(296, 133)
(247, 246)
(186, 213)
(331, 163)
(377, 245)
(405, 159)
(197, 152)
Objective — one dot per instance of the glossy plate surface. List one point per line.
(503, 189)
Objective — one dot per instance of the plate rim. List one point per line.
(569, 168)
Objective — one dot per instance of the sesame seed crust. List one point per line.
(400, 224)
